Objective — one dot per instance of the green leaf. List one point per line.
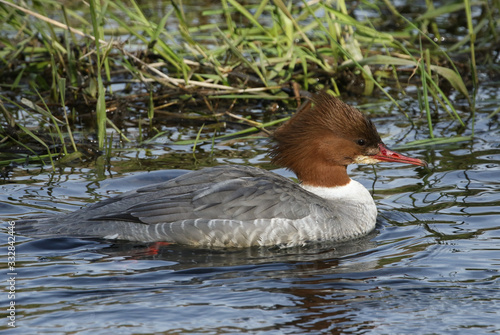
(434, 141)
(441, 10)
(454, 78)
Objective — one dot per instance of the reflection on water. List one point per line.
(432, 266)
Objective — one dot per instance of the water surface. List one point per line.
(432, 266)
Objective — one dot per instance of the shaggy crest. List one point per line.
(328, 118)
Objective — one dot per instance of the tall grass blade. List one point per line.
(101, 93)
(285, 10)
(39, 140)
(434, 141)
(244, 59)
(248, 15)
(62, 90)
(236, 134)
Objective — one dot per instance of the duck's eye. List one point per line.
(361, 142)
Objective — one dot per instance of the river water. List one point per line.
(431, 267)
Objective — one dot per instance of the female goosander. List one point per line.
(242, 206)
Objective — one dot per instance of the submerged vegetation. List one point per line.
(74, 75)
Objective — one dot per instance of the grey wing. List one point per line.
(235, 195)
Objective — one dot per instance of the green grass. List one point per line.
(65, 63)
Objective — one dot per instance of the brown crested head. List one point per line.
(320, 141)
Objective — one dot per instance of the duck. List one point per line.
(244, 206)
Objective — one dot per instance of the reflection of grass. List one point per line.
(272, 50)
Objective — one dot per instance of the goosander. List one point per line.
(243, 206)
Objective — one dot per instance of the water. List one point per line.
(431, 267)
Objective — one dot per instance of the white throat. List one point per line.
(353, 191)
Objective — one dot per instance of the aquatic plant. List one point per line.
(89, 68)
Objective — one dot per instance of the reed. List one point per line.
(271, 50)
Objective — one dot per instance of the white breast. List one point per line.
(357, 212)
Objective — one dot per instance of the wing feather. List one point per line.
(240, 194)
